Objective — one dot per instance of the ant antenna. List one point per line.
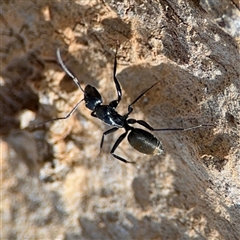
(67, 71)
(60, 118)
(76, 82)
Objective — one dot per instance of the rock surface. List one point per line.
(56, 184)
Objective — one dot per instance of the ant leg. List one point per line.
(61, 118)
(130, 108)
(93, 114)
(116, 144)
(106, 133)
(76, 81)
(146, 125)
(141, 122)
(118, 87)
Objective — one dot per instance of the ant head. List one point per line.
(92, 97)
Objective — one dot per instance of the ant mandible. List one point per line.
(143, 141)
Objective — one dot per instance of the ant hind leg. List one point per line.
(116, 144)
(146, 125)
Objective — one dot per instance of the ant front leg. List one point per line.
(130, 108)
(115, 103)
(116, 144)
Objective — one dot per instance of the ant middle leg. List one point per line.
(130, 108)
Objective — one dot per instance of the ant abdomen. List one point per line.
(145, 142)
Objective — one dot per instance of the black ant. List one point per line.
(143, 141)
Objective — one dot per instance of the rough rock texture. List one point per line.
(55, 182)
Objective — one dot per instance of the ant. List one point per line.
(140, 139)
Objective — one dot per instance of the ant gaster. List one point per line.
(143, 141)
